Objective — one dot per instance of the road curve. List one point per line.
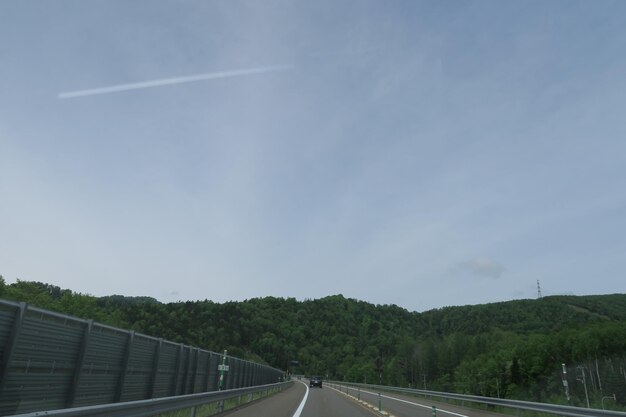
(324, 402)
(328, 402)
(300, 401)
(398, 405)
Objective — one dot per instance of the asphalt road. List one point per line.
(320, 402)
(327, 402)
(407, 406)
(301, 401)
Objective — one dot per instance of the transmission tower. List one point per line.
(538, 290)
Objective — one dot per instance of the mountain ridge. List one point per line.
(513, 348)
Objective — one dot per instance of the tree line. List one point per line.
(513, 349)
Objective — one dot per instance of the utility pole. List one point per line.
(565, 385)
(584, 381)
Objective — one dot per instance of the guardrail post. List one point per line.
(358, 393)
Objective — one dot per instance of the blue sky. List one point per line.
(424, 154)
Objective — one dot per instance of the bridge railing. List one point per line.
(51, 361)
(519, 406)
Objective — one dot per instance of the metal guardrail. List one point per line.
(51, 361)
(561, 410)
(157, 406)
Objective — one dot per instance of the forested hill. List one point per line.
(513, 349)
(526, 316)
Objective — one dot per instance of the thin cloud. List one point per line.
(171, 81)
(482, 267)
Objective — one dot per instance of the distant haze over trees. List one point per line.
(511, 349)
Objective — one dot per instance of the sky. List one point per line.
(418, 153)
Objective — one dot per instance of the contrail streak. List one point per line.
(177, 80)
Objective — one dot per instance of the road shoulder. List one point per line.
(283, 404)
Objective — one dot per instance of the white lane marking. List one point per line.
(417, 404)
(301, 406)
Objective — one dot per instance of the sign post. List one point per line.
(223, 368)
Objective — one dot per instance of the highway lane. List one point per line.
(407, 406)
(327, 402)
(301, 401)
(320, 402)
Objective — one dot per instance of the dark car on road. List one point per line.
(316, 381)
